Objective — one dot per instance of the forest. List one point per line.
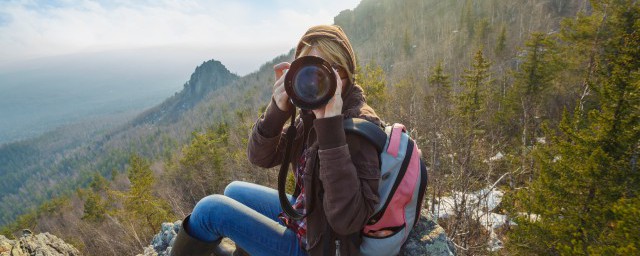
(539, 99)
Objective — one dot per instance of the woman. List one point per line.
(336, 174)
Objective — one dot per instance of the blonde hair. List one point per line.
(331, 50)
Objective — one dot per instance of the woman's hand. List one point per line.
(279, 93)
(334, 106)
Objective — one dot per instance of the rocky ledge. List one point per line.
(427, 238)
(43, 244)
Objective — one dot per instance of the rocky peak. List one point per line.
(207, 77)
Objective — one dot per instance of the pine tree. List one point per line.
(482, 29)
(439, 81)
(140, 203)
(373, 82)
(475, 83)
(438, 113)
(466, 142)
(502, 41)
(530, 89)
(585, 200)
(94, 206)
(468, 19)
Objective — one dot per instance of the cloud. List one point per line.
(32, 29)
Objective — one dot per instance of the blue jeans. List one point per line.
(247, 214)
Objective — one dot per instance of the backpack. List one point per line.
(403, 181)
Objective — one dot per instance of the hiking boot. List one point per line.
(186, 245)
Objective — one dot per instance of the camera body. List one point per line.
(310, 82)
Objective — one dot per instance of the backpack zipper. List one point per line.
(337, 247)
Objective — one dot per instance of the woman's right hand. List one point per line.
(279, 93)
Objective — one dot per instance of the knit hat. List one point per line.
(333, 32)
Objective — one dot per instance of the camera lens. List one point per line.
(310, 82)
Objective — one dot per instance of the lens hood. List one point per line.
(310, 82)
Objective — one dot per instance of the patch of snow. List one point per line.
(480, 204)
(497, 157)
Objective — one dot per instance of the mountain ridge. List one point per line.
(40, 163)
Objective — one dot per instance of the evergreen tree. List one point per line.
(531, 85)
(94, 206)
(502, 41)
(140, 204)
(466, 142)
(482, 30)
(440, 82)
(468, 18)
(373, 82)
(585, 199)
(438, 113)
(475, 83)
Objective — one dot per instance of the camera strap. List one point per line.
(284, 169)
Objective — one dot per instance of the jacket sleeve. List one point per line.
(267, 141)
(350, 173)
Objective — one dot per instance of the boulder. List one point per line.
(43, 244)
(428, 238)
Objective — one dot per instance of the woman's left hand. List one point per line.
(334, 106)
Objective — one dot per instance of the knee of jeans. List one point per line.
(208, 204)
(234, 188)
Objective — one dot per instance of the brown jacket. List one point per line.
(346, 190)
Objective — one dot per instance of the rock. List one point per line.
(427, 238)
(43, 244)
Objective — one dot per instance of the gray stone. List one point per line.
(428, 238)
(43, 244)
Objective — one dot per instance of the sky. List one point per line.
(242, 34)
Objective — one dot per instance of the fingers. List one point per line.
(334, 106)
(279, 69)
(280, 94)
(338, 82)
(278, 86)
(279, 89)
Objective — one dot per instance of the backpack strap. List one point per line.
(368, 130)
(394, 141)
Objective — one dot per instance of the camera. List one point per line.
(310, 82)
